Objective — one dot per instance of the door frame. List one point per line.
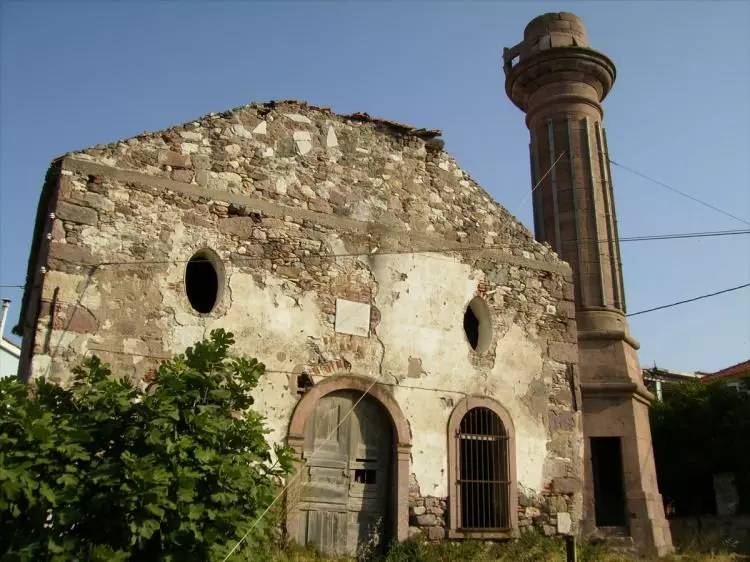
(401, 452)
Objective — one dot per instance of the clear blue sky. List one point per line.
(77, 74)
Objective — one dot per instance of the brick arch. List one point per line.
(303, 412)
(306, 406)
(458, 413)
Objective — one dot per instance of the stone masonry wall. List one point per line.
(304, 157)
(548, 513)
(301, 207)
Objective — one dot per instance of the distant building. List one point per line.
(657, 380)
(731, 376)
(9, 352)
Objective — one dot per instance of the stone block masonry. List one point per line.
(297, 208)
(548, 513)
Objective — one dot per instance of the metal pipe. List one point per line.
(570, 548)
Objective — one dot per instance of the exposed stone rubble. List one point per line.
(549, 513)
(303, 207)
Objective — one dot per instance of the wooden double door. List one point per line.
(345, 493)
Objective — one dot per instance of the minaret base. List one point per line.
(620, 488)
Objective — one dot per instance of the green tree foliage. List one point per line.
(700, 430)
(105, 470)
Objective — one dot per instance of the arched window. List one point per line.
(481, 455)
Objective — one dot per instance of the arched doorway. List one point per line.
(353, 446)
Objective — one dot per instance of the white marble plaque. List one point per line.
(352, 318)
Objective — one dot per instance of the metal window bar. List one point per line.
(483, 484)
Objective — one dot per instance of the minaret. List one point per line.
(559, 82)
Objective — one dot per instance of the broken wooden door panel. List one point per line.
(324, 488)
(324, 530)
(371, 444)
(327, 436)
(345, 485)
(367, 522)
(325, 485)
(371, 433)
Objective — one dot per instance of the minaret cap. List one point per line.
(555, 49)
(552, 30)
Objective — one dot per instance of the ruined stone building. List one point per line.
(494, 387)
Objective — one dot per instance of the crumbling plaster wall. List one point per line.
(423, 323)
(275, 189)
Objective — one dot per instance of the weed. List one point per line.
(529, 547)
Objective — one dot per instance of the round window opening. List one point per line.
(477, 325)
(202, 281)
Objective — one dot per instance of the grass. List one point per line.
(531, 547)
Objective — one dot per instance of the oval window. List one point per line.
(202, 281)
(477, 325)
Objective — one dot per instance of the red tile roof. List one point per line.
(735, 371)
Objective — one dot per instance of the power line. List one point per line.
(291, 480)
(631, 314)
(533, 189)
(299, 471)
(690, 300)
(646, 177)
(279, 371)
(439, 250)
(643, 238)
(652, 237)
(679, 192)
(683, 235)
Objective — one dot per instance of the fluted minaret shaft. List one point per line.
(559, 81)
(574, 205)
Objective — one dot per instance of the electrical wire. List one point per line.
(298, 472)
(683, 235)
(280, 372)
(443, 250)
(679, 192)
(533, 189)
(643, 238)
(690, 300)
